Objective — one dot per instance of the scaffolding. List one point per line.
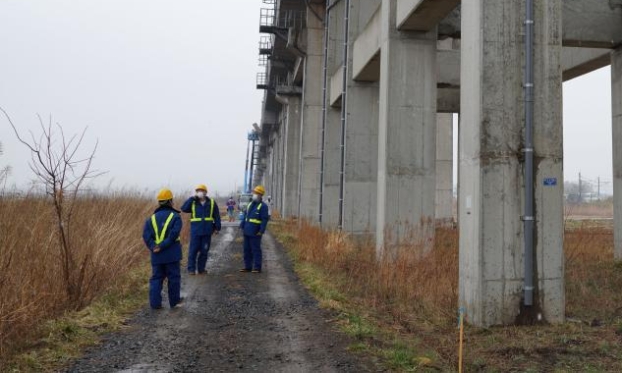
(262, 80)
(265, 45)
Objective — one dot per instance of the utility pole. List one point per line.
(580, 189)
(599, 188)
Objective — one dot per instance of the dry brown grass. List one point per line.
(413, 299)
(106, 239)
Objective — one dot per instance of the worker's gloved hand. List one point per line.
(259, 233)
(157, 249)
(215, 232)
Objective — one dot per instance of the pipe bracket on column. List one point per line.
(527, 218)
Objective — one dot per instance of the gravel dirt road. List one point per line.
(230, 321)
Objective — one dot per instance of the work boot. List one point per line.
(180, 303)
(245, 270)
(256, 271)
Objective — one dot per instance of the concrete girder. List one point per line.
(581, 61)
(422, 15)
(366, 50)
(586, 24)
(592, 24)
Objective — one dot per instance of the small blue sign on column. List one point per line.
(550, 181)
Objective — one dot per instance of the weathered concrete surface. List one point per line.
(592, 24)
(311, 124)
(586, 23)
(406, 132)
(366, 51)
(291, 171)
(616, 108)
(336, 88)
(332, 140)
(444, 169)
(422, 15)
(491, 247)
(361, 161)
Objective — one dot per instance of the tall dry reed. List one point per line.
(105, 237)
(417, 285)
(412, 284)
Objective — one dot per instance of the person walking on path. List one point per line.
(231, 209)
(254, 226)
(204, 222)
(161, 236)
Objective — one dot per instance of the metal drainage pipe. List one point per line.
(528, 219)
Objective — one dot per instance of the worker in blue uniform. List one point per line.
(161, 235)
(204, 222)
(253, 227)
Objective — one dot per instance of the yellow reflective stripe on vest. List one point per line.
(254, 221)
(194, 218)
(159, 236)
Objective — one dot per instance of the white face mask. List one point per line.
(255, 197)
(201, 194)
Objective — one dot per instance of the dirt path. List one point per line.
(230, 322)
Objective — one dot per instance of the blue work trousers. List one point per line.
(170, 271)
(199, 246)
(252, 252)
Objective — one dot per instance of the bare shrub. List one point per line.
(58, 164)
(32, 288)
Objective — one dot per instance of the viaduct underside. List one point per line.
(357, 132)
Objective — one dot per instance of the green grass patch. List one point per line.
(64, 339)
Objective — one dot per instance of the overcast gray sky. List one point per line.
(168, 88)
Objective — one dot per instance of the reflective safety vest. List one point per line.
(254, 221)
(160, 236)
(194, 218)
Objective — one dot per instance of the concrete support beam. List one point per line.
(336, 88)
(291, 150)
(616, 108)
(592, 24)
(581, 61)
(311, 124)
(491, 172)
(366, 51)
(423, 15)
(406, 131)
(444, 169)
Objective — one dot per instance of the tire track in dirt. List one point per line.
(230, 322)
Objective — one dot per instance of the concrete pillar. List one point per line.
(332, 141)
(311, 125)
(491, 172)
(332, 163)
(361, 169)
(291, 150)
(406, 132)
(444, 169)
(616, 110)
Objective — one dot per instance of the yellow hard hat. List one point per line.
(165, 195)
(201, 187)
(259, 189)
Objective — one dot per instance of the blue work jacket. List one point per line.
(255, 219)
(204, 218)
(162, 229)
